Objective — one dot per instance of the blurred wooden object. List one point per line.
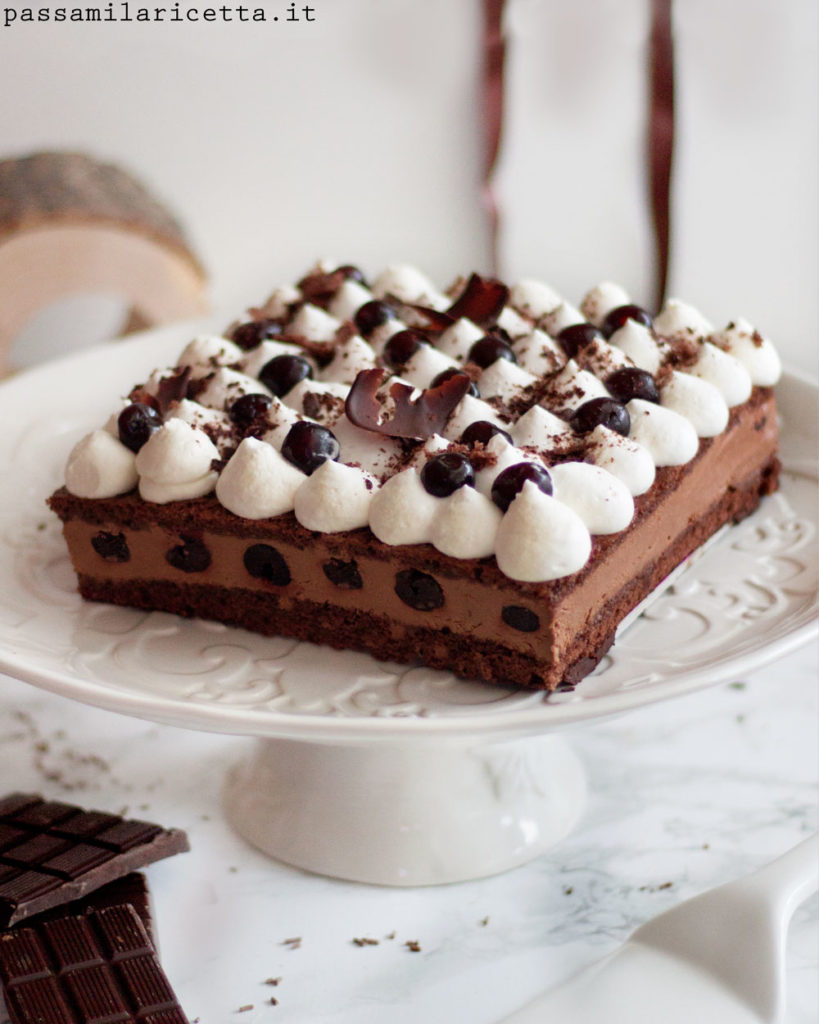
(70, 225)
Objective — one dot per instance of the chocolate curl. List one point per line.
(482, 301)
(661, 138)
(494, 50)
(417, 419)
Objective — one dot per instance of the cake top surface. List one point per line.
(487, 420)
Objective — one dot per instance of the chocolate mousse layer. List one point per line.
(412, 604)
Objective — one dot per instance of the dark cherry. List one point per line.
(488, 349)
(352, 273)
(402, 346)
(419, 590)
(445, 473)
(509, 483)
(343, 574)
(113, 547)
(482, 432)
(632, 382)
(371, 315)
(249, 335)
(249, 409)
(189, 556)
(282, 373)
(307, 445)
(606, 412)
(577, 336)
(136, 423)
(451, 371)
(616, 318)
(264, 562)
(518, 617)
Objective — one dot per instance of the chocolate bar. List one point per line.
(97, 968)
(131, 889)
(52, 853)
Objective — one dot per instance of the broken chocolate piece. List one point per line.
(419, 418)
(52, 853)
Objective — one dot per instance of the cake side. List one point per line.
(345, 590)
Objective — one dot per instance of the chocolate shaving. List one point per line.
(173, 389)
(482, 301)
(319, 288)
(417, 419)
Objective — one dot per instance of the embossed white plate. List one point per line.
(748, 599)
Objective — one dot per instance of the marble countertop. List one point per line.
(683, 796)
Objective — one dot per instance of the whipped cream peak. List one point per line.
(176, 463)
(335, 498)
(636, 342)
(458, 339)
(322, 401)
(504, 379)
(679, 320)
(350, 296)
(258, 482)
(602, 501)
(100, 466)
(403, 511)
(378, 454)
(725, 372)
(505, 455)
(313, 323)
(349, 359)
(410, 285)
(538, 353)
(223, 388)
(466, 524)
(756, 353)
(253, 362)
(424, 365)
(534, 298)
(513, 323)
(571, 388)
(213, 422)
(278, 304)
(698, 400)
(564, 315)
(538, 427)
(622, 457)
(206, 352)
(540, 538)
(601, 300)
(669, 437)
(470, 410)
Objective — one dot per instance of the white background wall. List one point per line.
(357, 136)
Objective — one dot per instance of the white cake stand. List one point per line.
(363, 770)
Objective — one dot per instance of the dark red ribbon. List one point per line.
(660, 133)
(661, 140)
(494, 54)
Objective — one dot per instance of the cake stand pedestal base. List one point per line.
(407, 813)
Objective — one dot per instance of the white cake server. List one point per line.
(718, 958)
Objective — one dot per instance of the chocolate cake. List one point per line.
(485, 480)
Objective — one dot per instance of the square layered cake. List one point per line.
(485, 479)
